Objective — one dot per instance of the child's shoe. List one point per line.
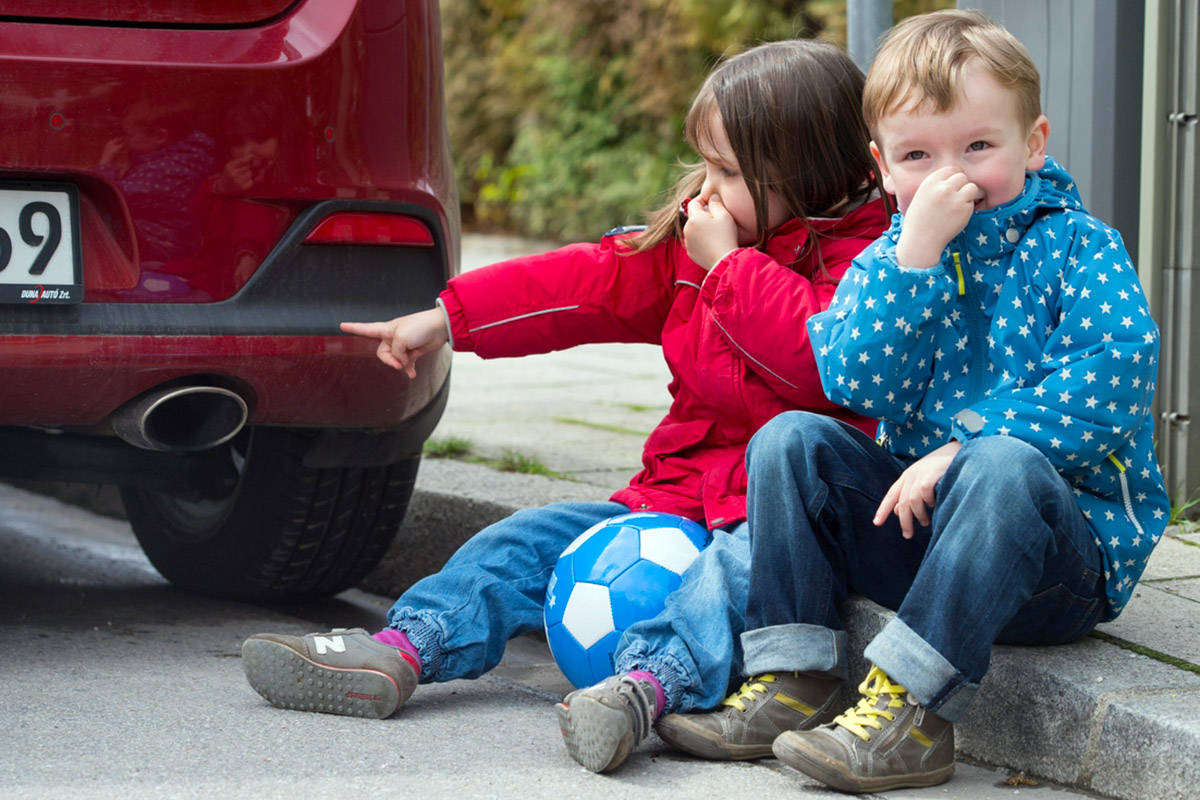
(886, 742)
(344, 671)
(603, 723)
(751, 718)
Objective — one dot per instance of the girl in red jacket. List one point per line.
(724, 278)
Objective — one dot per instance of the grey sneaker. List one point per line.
(751, 718)
(886, 742)
(344, 671)
(603, 723)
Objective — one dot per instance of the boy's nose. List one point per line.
(952, 161)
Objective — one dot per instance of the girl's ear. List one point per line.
(888, 185)
(1036, 145)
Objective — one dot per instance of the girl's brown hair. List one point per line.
(793, 113)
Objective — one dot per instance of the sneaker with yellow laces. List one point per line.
(888, 741)
(752, 717)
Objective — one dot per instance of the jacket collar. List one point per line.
(863, 222)
(997, 232)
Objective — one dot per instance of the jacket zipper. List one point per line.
(1126, 500)
(975, 335)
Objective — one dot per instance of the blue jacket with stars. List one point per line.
(1034, 325)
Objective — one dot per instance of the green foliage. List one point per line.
(566, 118)
(508, 461)
(1184, 511)
(512, 461)
(447, 447)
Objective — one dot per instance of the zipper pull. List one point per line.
(962, 284)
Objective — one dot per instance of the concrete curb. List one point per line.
(1091, 715)
(1094, 715)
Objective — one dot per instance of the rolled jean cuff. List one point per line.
(796, 647)
(913, 663)
(425, 635)
(665, 669)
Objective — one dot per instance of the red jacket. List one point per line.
(734, 338)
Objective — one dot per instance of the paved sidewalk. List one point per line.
(1113, 714)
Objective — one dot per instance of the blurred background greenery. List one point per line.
(566, 117)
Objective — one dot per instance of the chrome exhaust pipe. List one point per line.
(181, 419)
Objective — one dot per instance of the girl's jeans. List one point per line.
(494, 587)
(1008, 558)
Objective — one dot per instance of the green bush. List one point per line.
(566, 117)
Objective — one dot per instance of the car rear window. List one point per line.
(149, 12)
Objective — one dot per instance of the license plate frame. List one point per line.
(40, 258)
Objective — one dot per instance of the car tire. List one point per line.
(285, 531)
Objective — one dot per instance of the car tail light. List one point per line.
(359, 227)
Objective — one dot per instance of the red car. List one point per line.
(193, 194)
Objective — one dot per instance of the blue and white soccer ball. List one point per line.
(614, 574)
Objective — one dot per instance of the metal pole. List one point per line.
(866, 21)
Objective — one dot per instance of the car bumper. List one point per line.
(276, 341)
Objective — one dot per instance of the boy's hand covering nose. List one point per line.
(940, 209)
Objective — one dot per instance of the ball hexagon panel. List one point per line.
(640, 592)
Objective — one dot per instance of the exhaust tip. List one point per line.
(182, 419)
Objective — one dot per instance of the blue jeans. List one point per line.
(493, 589)
(1008, 558)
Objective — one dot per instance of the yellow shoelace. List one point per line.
(748, 691)
(866, 714)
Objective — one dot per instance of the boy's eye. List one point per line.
(977, 146)
(914, 155)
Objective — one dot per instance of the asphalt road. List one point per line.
(116, 685)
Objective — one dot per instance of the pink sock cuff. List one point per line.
(400, 641)
(660, 696)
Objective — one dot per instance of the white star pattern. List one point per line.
(1031, 344)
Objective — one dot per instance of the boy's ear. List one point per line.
(884, 174)
(1036, 145)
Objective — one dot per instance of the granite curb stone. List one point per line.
(1107, 715)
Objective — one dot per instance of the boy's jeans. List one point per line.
(494, 587)
(1008, 558)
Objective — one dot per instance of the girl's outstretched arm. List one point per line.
(404, 339)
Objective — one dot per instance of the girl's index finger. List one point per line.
(370, 329)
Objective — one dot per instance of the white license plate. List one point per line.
(39, 244)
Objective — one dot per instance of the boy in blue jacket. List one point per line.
(999, 333)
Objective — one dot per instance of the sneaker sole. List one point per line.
(832, 772)
(708, 744)
(286, 679)
(596, 736)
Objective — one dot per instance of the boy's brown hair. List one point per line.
(922, 58)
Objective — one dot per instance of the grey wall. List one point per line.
(1089, 53)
